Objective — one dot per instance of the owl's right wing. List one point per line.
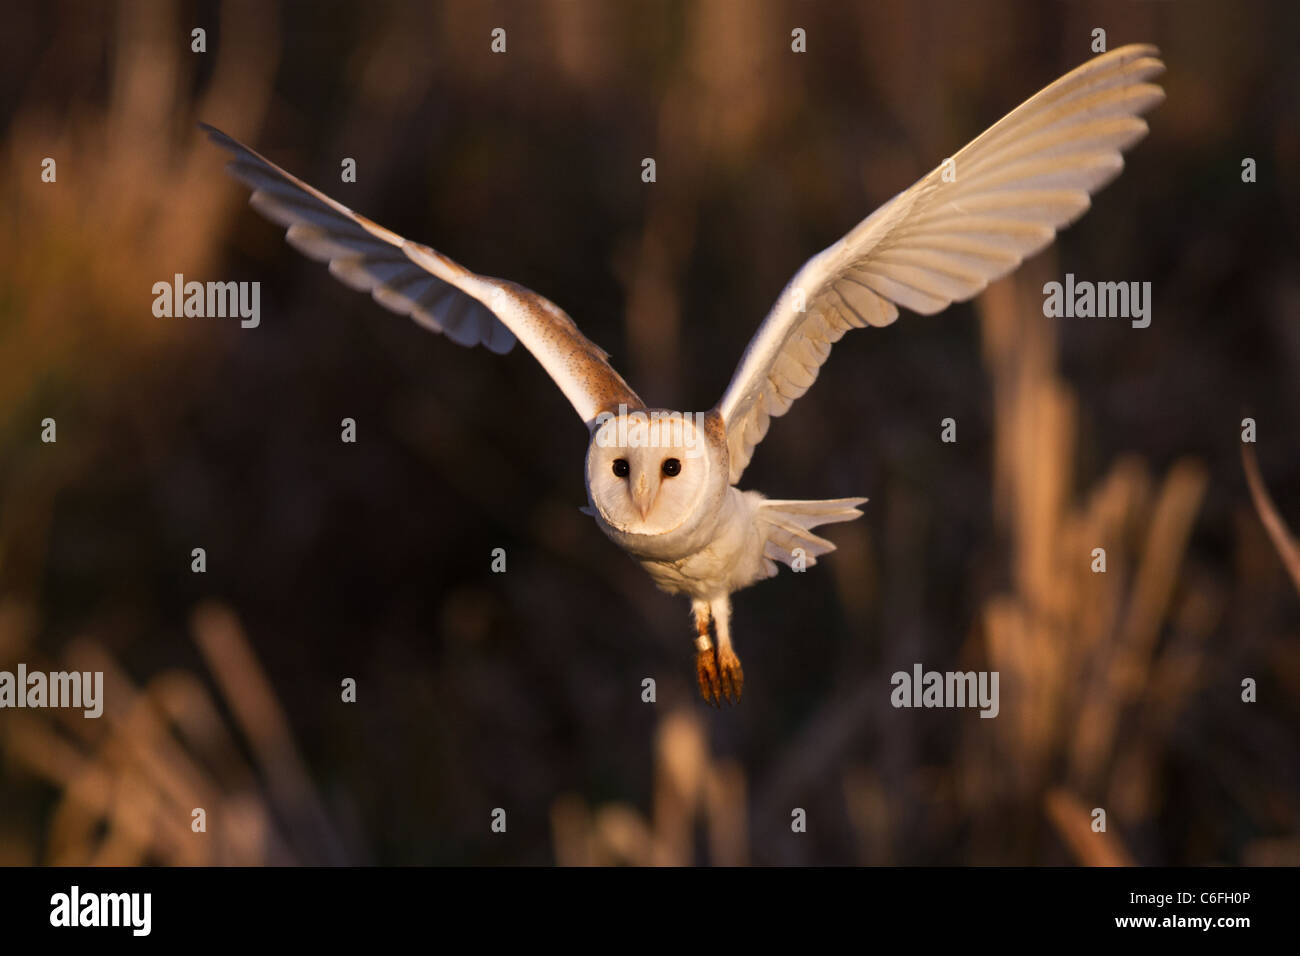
(1002, 198)
(436, 292)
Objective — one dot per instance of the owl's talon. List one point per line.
(732, 676)
(706, 669)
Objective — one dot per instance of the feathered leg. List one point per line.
(730, 676)
(706, 665)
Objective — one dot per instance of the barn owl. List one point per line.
(663, 485)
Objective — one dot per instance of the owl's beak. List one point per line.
(644, 492)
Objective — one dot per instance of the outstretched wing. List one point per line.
(436, 292)
(970, 221)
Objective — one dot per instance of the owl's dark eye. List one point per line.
(621, 468)
(672, 467)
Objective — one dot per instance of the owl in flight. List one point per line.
(663, 485)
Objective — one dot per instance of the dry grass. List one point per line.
(129, 781)
(1278, 532)
(1080, 652)
(134, 191)
(690, 787)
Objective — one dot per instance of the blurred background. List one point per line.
(522, 690)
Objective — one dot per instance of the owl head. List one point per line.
(652, 473)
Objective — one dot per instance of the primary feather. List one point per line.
(939, 242)
(439, 294)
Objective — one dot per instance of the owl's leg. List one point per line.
(730, 676)
(706, 666)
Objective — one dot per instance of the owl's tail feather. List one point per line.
(789, 527)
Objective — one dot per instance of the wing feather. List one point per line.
(436, 292)
(942, 241)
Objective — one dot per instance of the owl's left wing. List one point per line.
(1002, 198)
(436, 292)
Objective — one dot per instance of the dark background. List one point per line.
(522, 690)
